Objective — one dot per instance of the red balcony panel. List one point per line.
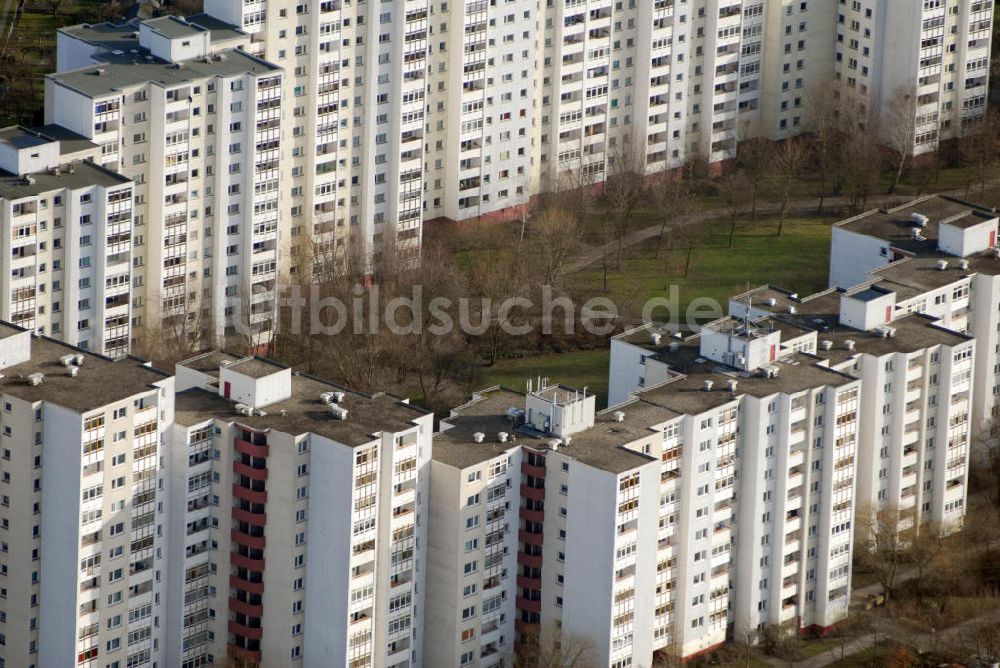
(530, 606)
(532, 515)
(529, 560)
(236, 582)
(248, 448)
(248, 609)
(529, 583)
(237, 559)
(532, 470)
(249, 632)
(533, 493)
(245, 494)
(522, 626)
(253, 519)
(240, 468)
(254, 655)
(256, 542)
(530, 538)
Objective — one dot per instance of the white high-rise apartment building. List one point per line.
(917, 394)
(298, 520)
(745, 476)
(195, 123)
(939, 256)
(65, 241)
(353, 138)
(935, 52)
(79, 473)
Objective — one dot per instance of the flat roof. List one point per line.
(256, 367)
(120, 72)
(69, 141)
(100, 380)
(485, 413)
(304, 412)
(173, 27)
(895, 225)
(84, 174)
(21, 137)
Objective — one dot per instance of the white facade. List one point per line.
(321, 495)
(199, 137)
(65, 244)
(82, 548)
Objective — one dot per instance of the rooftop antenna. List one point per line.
(746, 324)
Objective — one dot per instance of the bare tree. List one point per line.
(675, 202)
(898, 133)
(979, 148)
(734, 185)
(858, 133)
(552, 647)
(823, 105)
(624, 189)
(881, 545)
(554, 235)
(755, 159)
(790, 159)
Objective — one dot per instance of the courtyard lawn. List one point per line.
(797, 260)
(577, 369)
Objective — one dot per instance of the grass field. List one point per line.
(797, 260)
(578, 369)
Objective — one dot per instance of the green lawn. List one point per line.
(797, 260)
(578, 369)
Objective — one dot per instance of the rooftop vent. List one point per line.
(338, 412)
(919, 219)
(29, 180)
(339, 396)
(942, 265)
(35, 378)
(963, 264)
(678, 335)
(243, 409)
(502, 437)
(708, 385)
(654, 338)
(260, 413)
(79, 359)
(771, 301)
(555, 443)
(283, 413)
(826, 344)
(67, 360)
(732, 384)
(849, 344)
(674, 346)
(618, 416)
(915, 233)
(794, 295)
(478, 437)
(72, 371)
(792, 310)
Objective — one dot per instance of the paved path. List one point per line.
(595, 254)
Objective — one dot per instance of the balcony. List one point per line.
(249, 563)
(244, 494)
(250, 472)
(244, 608)
(237, 582)
(254, 519)
(532, 470)
(248, 448)
(530, 538)
(253, 542)
(530, 560)
(248, 632)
